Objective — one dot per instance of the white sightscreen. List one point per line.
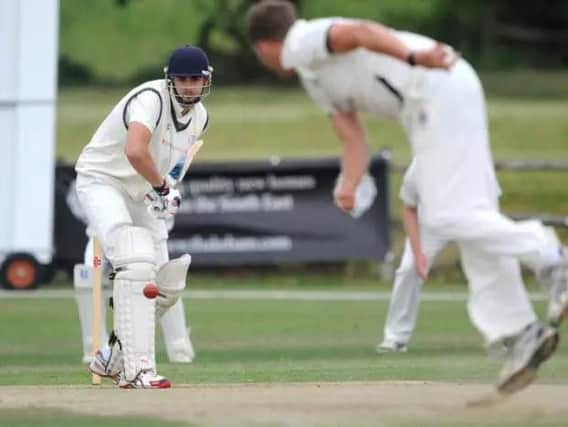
(28, 42)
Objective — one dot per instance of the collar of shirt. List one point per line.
(178, 109)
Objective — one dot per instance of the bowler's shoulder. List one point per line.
(309, 27)
(306, 43)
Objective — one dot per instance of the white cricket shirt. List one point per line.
(172, 135)
(408, 189)
(443, 113)
(359, 80)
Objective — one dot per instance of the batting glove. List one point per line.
(163, 201)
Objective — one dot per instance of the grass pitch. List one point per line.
(291, 363)
(260, 348)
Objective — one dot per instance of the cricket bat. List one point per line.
(97, 300)
(181, 168)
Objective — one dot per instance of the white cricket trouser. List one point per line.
(491, 277)
(107, 209)
(491, 246)
(405, 297)
(457, 191)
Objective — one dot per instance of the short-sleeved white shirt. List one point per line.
(443, 112)
(359, 80)
(172, 135)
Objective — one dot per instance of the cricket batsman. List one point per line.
(175, 331)
(123, 188)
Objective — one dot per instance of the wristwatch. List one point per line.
(411, 59)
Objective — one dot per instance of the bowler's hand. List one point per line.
(344, 197)
(421, 264)
(440, 56)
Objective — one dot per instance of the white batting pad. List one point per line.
(134, 314)
(83, 276)
(134, 318)
(170, 280)
(130, 245)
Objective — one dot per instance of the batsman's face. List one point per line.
(190, 87)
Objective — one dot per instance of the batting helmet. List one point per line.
(189, 61)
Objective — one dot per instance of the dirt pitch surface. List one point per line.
(302, 404)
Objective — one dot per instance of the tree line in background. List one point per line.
(492, 34)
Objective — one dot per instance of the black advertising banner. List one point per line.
(69, 236)
(255, 213)
(249, 213)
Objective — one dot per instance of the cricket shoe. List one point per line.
(391, 347)
(525, 353)
(146, 379)
(555, 280)
(105, 366)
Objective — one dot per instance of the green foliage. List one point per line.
(115, 42)
(129, 41)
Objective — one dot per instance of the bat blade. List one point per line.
(192, 152)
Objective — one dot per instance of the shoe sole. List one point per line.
(160, 385)
(528, 374)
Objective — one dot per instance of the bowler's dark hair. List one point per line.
(270, 20)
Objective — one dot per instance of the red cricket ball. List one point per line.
(151, 291)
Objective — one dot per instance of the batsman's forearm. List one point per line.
(145, 166)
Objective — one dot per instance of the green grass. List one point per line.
(243, 123)
(264, 341)
(253, 123)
